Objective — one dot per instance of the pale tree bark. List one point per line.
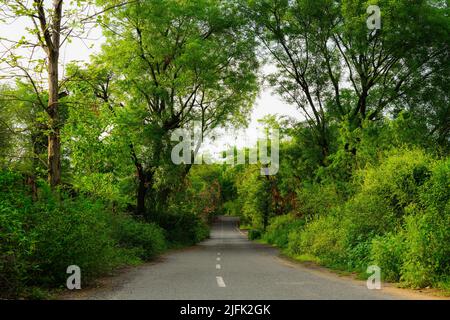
(50, 39)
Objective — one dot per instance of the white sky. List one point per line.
(80, 50)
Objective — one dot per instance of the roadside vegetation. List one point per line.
(86, 176)
(365, 179)
(394, 214)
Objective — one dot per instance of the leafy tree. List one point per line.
(48, 33)
(174, 63)
(332, 67)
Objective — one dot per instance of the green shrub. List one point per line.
(419, 254)
(146, 240)
(321, 238)
(16, 246)
(435, 192)
(183, 228)
(279, 228)
(359, 256)
(231, 208)
(427, 231)
(16, 238)
(74, 232)
(427, 258)
(254, 234)
(201, 231)
(387, 252)
(39, 240)
(364, 217)
(317, 199)
(254, 197)
(399, 220)
(397, 180)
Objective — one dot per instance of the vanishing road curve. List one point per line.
(228, 266)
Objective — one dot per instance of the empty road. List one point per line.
(228, 266)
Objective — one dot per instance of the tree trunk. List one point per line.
(54, 142)
(142, 192)
(50, 33)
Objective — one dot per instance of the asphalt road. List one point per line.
(228, 266)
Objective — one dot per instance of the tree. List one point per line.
(173, 63)
(47, 27)
(335, 69)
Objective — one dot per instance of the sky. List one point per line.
(80, 50)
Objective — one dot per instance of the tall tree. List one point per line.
(173, 63)
(47, 27)
(334, 68)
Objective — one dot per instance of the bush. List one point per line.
(146, 240)
(253, 196)
(427, 231)
(183, 228)
(74, 232)
(39, 240)
(16, 245)
(387, 253)
(201, 231)
(435, 192)
(231, 208)
(419, 254)
(317, 199)
(16, 238)
(254, 234)
(278, 231)
(398, 179)
(364, 217)
(321, 238)
(427, 257)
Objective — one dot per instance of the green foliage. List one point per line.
(427, 232)
(39, 240)
(254, 197)
(280, 227)
(322, 238)
(342, 219)
(317, 199)
(232, 208)
(364, 217)
(398, 219)
(182, 228)
(73, 232)
(387, 253)
(254, 234)
(398, 179)
(363, 179)
(147, 240)
(16, 245)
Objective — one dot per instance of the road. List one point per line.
(228, 266)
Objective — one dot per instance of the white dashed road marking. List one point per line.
(218, 266)
(220, 282)
(218, 258)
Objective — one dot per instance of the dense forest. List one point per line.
(86, 176)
